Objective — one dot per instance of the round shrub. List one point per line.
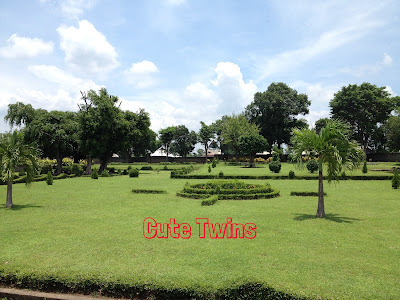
(49, 178)
(312, 165)
(134, 172)
(221, 174)
(95, 175)
(365, 169)
(396, 180)
(77, 169)
(291, 174)
(275, 166)
(105, 174)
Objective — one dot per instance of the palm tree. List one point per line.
(14, 153)
(334, 148)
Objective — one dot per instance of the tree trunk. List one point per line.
(103, 166)
(166, 151)
(89, 165)
(9, 203)
(251, 161)
(59, 162)
(206, 149)
(321, 208)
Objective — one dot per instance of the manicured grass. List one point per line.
(82, 228)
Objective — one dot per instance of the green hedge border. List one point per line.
(92, 285)
(281, 177)
(273, 194)
(145, 191)
(306, 194)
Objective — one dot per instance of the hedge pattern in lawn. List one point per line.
(305, 194)
(145, 191)
(210, 201)
(225, 190)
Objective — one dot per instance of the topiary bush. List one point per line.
(209, 169)
(105, 174)
(95, 175)
(312, 165)
(77, 169)
(134, 172)
(365, 169)
(275, 166)
(291, 174)
(49, 178)
(214, 163)
(119, 172)
(396, 180)
(221, 174)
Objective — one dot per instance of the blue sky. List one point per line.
(186, 61)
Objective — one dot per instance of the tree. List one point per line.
(55, 132)
(250, 144)
(334, 148)
(364, 107)
(233, 128)
(103, 128)
(392, 131)
(184, 141)
(13, 153)
(205, 136)
(319, 124)
(167, 136)
(275, 111)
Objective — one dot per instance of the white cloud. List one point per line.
(373, 69)
(87, 50)
(71, 8)
(231, 88)
(175, 2)
(390, 91)
(352, 28)
(140, 74)
(24, 47)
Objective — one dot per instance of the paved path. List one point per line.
(28, 295)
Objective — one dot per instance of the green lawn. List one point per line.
(84, 228)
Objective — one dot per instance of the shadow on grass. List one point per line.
(19, 207)
(331, 217)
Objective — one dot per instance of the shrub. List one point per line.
(221, 174)
(291, 174)
(214, 163)
(83, 163)
(146, 168)
(259, 160)
(312, 165)
(269, 159)
(77, 169)
(119, 172)
(105, 174)
(46, 165)
(396, 180)
(305, 194)
(275, 166)
(125, 172)
(111, 169)
(209, 201)
(67, 169)
(165, 168)
(134, 172)
(209, 169)
(129, 168)
(66, 161)
(365, 169)
(275, 156)
(95, 175)
(49, 178)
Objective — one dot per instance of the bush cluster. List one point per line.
(77, 169)
(275, 166)
(312, 165)
(134, 172)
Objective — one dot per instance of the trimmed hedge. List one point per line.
(144, 191)
(263, 177)
(193, 196)
(146, 168)
(305, 194)
(118, 289)
(209, 201)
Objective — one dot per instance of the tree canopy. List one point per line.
(335, 149)
(205, 136)
(276, 112)
(184, 141)
(364, 107)
(252, 143)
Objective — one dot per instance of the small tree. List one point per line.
(250, 144)
(49, 178)
(95, 175)
(365, 169)
(335, 149)
(13, 153)
(396, 180)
